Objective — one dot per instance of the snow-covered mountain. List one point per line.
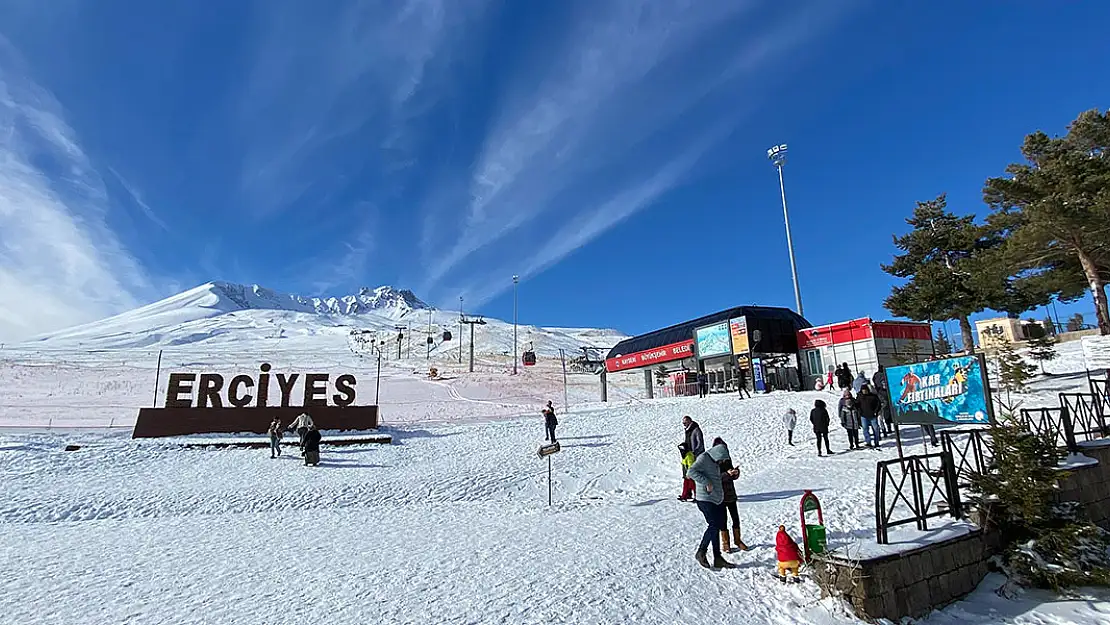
(221, 314)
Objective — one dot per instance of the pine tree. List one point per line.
(1053, 210)
(1013, 371)
(942, 344)
(1042, 346)
(1045, 544)
(1076, 323)
(954, 268)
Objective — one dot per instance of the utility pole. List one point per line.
(516, 281)
(777, 154)
(429, 340)
(460, 328)
(400, 336)
(473, 322)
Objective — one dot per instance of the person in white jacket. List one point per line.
(302, 424)
(789, 420)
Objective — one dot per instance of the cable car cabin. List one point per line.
(528, 358)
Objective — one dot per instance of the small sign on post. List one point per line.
(813, 535)
(546, 451)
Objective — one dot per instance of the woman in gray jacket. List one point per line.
(709, 493)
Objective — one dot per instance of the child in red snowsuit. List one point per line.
(687, 462)
(787, 552)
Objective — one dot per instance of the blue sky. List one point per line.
(612, 153)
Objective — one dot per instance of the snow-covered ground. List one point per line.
(447, 525)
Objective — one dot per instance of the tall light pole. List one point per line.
(777, 155)
(460, 328)
(516, 281)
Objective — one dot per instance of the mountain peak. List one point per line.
(383, 300)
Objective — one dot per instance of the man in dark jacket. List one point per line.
(819, 417)
(549, 422)
(312, 446)
(703, 385)
(695, 440)
(844, 376)
(742, 381)
(869, 408)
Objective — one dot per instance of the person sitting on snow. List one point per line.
(786, 551)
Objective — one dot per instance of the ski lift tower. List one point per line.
(472, 322)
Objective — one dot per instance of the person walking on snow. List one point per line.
(312, 446)
(728, 477)
(275, 438)
(742, 382)
(301, 425)
(695, 441)
(819, 417)
(789, 420)
(858, 383)
(829, 381)
(869, 409)
(549, 422)
(687, 483)
(849, 418)
(709, 493)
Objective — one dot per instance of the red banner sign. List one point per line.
(667, 353)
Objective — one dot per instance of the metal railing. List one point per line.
(972, 451)
(1051, 424)
(906, 490)
(1086, 415)
(1100, 389)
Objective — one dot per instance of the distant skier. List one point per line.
(710, 496)
(789, 420)
(301, 425)
(312, 446)
(819, 417)
(848, 410)
(549, 422)
(695, 440)
(275, 438)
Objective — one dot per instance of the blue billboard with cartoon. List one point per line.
(940, 392)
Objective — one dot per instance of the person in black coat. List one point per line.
(819, 417)
(869, 407)
(549, 422)
(844, 376)
(312, 446)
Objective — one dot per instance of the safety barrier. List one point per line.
(907, 489)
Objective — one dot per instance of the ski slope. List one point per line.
(448, 525)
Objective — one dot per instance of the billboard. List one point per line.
(666, 353)
(739, 329)
(940, 392)
(713, 341)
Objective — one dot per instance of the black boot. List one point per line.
(700, 557)
(721, 563)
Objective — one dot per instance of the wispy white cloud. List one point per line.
(137, 198)
(322, 74)
(60, 264)
(618, 81)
